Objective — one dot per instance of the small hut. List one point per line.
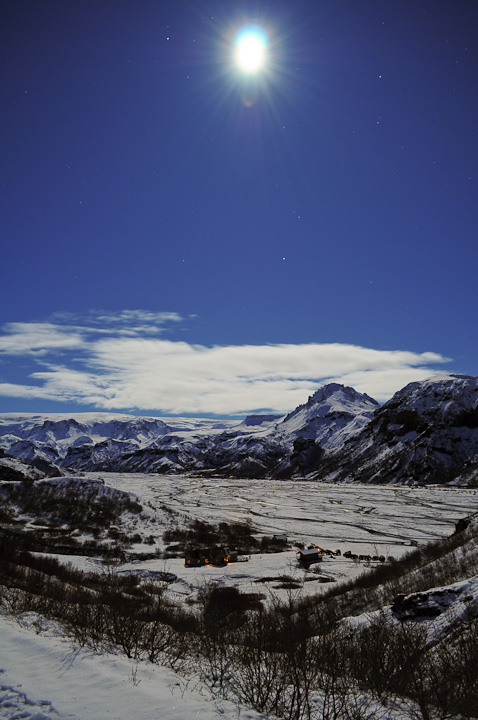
(309, 555)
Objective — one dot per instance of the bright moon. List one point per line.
(250, 51)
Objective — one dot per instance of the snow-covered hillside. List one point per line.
(12, 468)
(43, 676)
(426, 433)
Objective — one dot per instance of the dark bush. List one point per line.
(236, 536)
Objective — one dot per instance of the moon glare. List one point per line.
(250, 51)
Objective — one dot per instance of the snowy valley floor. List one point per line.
(369, 520)
(42, 675)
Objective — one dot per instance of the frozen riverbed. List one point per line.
(327, 514)
(369, 520)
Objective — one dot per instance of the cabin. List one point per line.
(198, 557)
(309, 555)
(195, 558)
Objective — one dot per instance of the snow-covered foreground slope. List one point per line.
(44, 677)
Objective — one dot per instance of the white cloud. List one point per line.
(68, 331)
(124, 368)
(38, 338)
(29, 392)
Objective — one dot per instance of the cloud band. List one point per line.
(121, 362)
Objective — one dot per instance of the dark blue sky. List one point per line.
(331, 198)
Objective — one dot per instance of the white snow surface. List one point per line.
(43, 676)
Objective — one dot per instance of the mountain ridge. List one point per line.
(427, 432)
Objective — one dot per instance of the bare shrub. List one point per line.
(457, 688)
(157, 639)
(395, 660)
(256, 665)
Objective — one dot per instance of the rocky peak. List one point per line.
(335, 398)
(339, 393)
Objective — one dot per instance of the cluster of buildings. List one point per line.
(197, 557)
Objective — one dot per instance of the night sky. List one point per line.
(180, 236)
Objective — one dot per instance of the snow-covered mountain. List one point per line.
(331, 416)
(427, 433)
(255, 447)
